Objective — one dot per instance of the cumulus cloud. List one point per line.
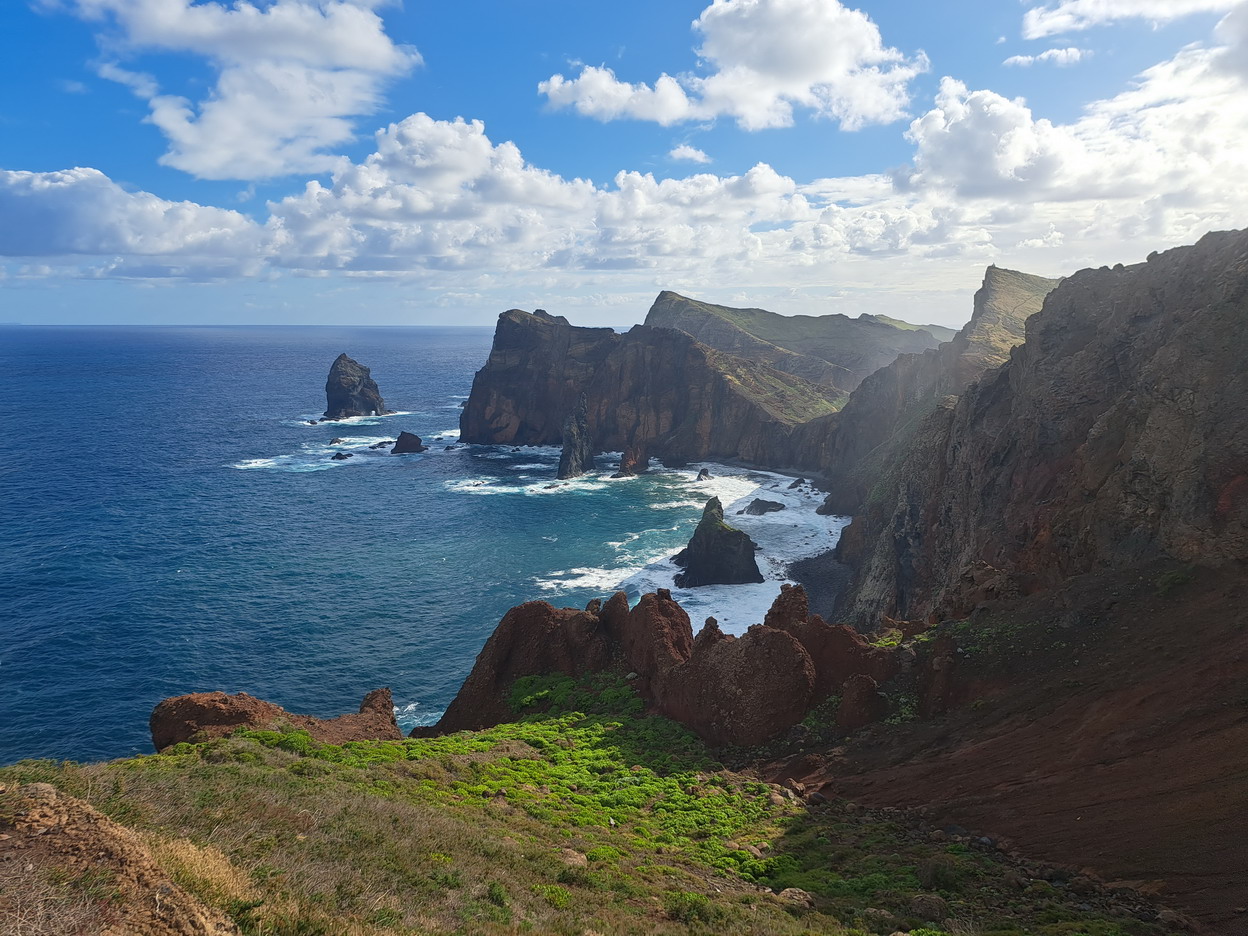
(1074, 15)
(765, 58)
(291, 77)
(688, 153)
(81, 212)
(1060, 57)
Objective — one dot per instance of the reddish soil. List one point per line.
(1113, 737)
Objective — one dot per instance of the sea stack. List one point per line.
(408, 443)
(578, 449)
(351, 391)
(717, 554)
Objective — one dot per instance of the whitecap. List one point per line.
(414, 715)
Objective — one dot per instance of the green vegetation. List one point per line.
(787, 397)
(585, 817)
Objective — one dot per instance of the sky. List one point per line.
(380, 163)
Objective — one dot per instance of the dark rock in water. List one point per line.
(342, 456)
(383, 444)
(312, 422)
(408, 444)
(449, 448)
(796, 484)
(634, 462)
(335, 441)
(703, 475)
(350, 391)
(577, 456)
(717, 554)
(758, 507)
(204, 715)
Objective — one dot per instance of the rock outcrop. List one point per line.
(729, 690)
(1114, 435)
(828, 349)
(351, 391)
(757, 507)
(204, 715)
(577, 456)
(654, 391)
(634, 461)
(408, 443)
(717, 554)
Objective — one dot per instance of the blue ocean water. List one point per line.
(171, 524)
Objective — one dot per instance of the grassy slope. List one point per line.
(939, 332)
(587, 818)
(788, 398)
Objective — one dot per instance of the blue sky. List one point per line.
(307, 161)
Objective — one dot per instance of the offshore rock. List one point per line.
(351, 391)
(1113, 436)
(757, 507)
(635, 461)
(577, 456)
(408, 443)
(204, 715)
(532, 639)
(717, 554)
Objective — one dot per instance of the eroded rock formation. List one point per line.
(729, 690)
(717, 554)
(203, 715)
(351, 391)
(577, 456)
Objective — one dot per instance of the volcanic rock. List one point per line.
(635, 461)
(408, 443)
(717, 554)
(204, 715)
(577, 456)
(703, 475)
(757, 507)
(861, 703)
(532, 639)
(341, 456)
(350, 391)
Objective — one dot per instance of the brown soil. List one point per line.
(67, 870)
(1109, 731)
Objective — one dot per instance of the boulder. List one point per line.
(861, 703)
(204, 715)
(408, 444)
(577, 456)
(717, 554)
(757, 507)
(341, 456)
(704, 475)
(351, 391)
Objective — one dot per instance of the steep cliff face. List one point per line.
(654, 391)
(351, 391)
(1117, 433)
(881, 417)
(577, 456)
(830, 349)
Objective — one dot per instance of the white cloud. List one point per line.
(1060, 57)
(1073, 15)
(291, 76)
(689, 154)
(766, 57)
(81, 212)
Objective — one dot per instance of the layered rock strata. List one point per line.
(717, 554)
(204, 715)
(351, 391)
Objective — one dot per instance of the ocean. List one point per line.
(172, 524)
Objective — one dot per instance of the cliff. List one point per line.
(654, 392)
(351, 391)
(828, 349)
(886, 410)
(1116, 434)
